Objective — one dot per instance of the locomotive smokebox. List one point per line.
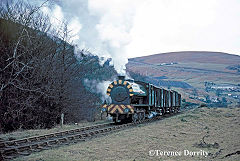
(121, 77)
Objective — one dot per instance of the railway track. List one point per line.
(26, 146)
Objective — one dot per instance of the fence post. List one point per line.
(62, 119)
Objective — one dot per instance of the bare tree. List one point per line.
(34, 67)
(40, 77)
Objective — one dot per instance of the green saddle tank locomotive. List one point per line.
(137, 100)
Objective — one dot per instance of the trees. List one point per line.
(39, 73)
(31, 71)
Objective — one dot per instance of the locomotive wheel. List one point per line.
(144, 115)
(115, 120)
(141, 116)
(135, 117)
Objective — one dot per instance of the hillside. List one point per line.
(193, 73)
(190, 56)
(213, 130)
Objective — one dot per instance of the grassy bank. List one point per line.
(213, 130)
(19, 134)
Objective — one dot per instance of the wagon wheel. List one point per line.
(135, 117)
(175, 110)
(178, 109)
(170, 110)
(163, 110)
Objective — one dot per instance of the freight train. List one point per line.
(136, 100)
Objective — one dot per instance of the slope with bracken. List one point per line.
(194, 68)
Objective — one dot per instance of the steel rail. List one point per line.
(15, 148)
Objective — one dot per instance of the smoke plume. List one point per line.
(98, 87)
(103, 27)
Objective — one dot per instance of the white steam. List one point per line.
(74, 27)
(98, 87)
(101, 26)
(113, 28)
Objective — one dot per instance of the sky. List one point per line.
(185, 25)
(123, 29)
(144, 27)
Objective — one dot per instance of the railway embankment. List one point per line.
(198, 134)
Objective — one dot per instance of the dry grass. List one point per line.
(178, 133)
(28, 133)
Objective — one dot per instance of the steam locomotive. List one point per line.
(136, 100)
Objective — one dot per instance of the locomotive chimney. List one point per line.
(121, 77)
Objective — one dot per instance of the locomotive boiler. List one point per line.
(136, 100)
